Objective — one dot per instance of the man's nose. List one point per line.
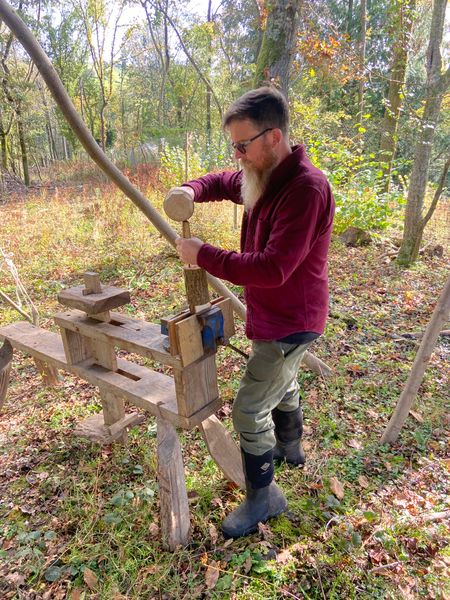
(238, 154)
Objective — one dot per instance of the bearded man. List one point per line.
(282, 265)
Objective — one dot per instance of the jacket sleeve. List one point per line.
(217, 186)
(293, 229)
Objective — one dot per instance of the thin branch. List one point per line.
(193, 63)
(437, 193)
(11, 302)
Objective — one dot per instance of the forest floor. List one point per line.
(81, 521)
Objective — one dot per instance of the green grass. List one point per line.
(76, 518)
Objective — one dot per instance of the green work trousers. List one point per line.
(269, 381)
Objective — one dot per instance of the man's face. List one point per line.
(260, 155)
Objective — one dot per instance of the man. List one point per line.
(282, 265)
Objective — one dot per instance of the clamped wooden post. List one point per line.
(179, 206)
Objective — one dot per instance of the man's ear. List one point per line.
(277, 136)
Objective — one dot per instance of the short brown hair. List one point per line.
(265, 106)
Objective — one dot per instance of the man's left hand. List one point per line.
(188, 249)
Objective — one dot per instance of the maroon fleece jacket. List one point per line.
(284, 247)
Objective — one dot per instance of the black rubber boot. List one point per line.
(288, 433)
(263, 499)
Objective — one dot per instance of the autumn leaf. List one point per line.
(213, 533)
(355, 444)
(15, 579)
(363, 481)
(248, 564)
(90, 578)
(336, 487)
(211, 575)
(284, 557)
(265, 531)
(417, 416)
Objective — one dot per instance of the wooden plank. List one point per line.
(196, 386)
(175, 520)
(149, 390)
(170, 323)
(109, 298)
(189, 336)
(113, 412)
(223, 449)
(77, 348)
(189, 340)
(48, 372)
(93, 428)
(226, 307)
(92, 283)
(129, 420)
(128, 334)
(38, 342)
(6, 356)
(104, 354)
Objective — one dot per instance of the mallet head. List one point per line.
(179, 204)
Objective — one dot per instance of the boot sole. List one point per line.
(280, 460)
(254, 528)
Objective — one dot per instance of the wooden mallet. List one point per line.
(179, 206)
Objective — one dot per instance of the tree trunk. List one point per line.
(349, 16)
(4, 150)
(278, 45)
(401, 32)
(23, 149)
(362, 59)
(414, 223)
(440, 315)
(208, 91)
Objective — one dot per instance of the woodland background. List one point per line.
(367, 82)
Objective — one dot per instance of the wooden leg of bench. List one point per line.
(223, 449)
(113, 411)
(48, 372)
(175, 521)
(6, 354)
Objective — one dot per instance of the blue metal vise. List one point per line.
(211, 322)
(212, 328)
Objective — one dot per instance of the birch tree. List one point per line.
(437, 83)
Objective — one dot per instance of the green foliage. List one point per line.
(355, 178)
(173, 166)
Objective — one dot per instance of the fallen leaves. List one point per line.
(363, 481)
(336, 487)
(15, 579)
(353, 443)
(213, 534)
(90, 578)
(212, 574)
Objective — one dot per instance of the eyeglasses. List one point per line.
(242, 146)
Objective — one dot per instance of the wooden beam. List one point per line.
(110, 297)
(6, 355)
(175, 521)
(196, 386)
(124, 332)
(223, 449)
(113, 412)
(48, 372)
